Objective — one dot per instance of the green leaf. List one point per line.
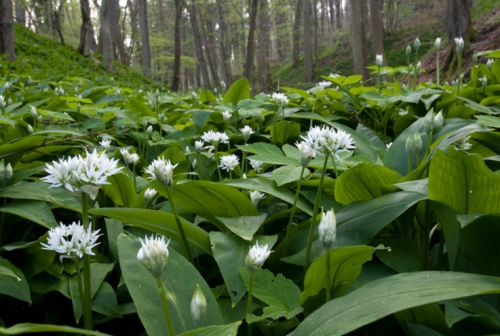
(389, 295)
(121, 189)
(457, 310)
(159, 222)
(245, 226)
(345, 266)
(238, 91)
(464, 183)
(268, 153)
(281, 295)
(25, 328)
(363, 182)
(13, 282)
(36, 211)
(230, 253)
(105, 301)
(179, 280)
(287, 174)
(217, 330)
(352, 80)
(489, 121)
(286, 132)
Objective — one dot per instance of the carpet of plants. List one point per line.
(350, 208)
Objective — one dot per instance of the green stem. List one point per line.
(249, 302)
(80, 287)
(313, 218)
(87, 295)
(164, 305)
(378, 78)
(437, 67)
(327, 277)
(459, 71)
(415, 75)
(243, 160)
(185, 244)
(200, 167)
(292, 213)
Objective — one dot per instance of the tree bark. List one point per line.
(308, 54)
(222, 42)
(105, 38)
(263, 46)
(7, 30)
(358, 38)
(249, 63)
(296, 32)
(377, 28)
(20, 8)
(144, 31)
(202, 64)
(177, 46)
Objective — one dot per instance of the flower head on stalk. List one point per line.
(324, 84)
(437, 43)
(246, 131)
(327, 229)
(149, 194)
(198, 306)
(229, 162)
(256, 196)
(162, 170)
(325, 140)
(71, 240)
(459, 44)
(256, 257)
(257, 165)
(129, 158)
(154, 254)
(215, 138)
(280, 98)
(379, 60)
(227, 116)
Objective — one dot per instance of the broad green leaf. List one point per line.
(489, 121)
(159, 222)
(287, 174)
(475, 106)
(41, 191)
(105, 301)
(421, 330)
(269, 187)
(13, 282)
(363, 182)
(245, 226)
(206, 96)
(28, 328)
(230, 252)
(238, 91)
(389, 295)
(464, 183)
(281, 295)
(216, 330)
(451, 230)
(269, 153)
(352, 80)
(345, 266)
(401, 255)
(286, 132)
(121, 189)
(457, 310)
(36, 211)
(179, 280)
(359, 222)
(430, 315)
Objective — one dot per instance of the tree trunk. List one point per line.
(377, 29)
(177, 46)
(249, 63)
(263, 46)
(308, 55)
(20, 12)
(144, 31)
(358, 38)
(115, 31)
(7, 30)
(209, 42)
(202, 64)
(57, 22)
(222, 42)
(296, 32)
(105, 38)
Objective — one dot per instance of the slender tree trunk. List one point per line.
(202, 64)
(209, 42)
(105, 38)
(133, 27)
(222, 40)
(296, 32)
(308, 54)
(358, 38)
(377, 29)
(144, 31)
(263, 46)
(115, 31)
(177, 46)
(458, 24)
(20, 8)
(249, 63)
(57, 21)
(7, 30)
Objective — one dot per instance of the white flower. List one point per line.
(437, 43)
(64, 173)
(227, 116)
(105, 143)
(379, 60)
(198, 145)
(388, 145)
(96, 168)
(198, 306)
(327, 229)
(280, 98)
(325, 84)
(463, 144)
(162, 170)
(306, 152)
(489, 63)
(256, 257)
(215, 138)
(71, 240)
(256, 196)
(325, 140)
(33, 112)
(246, 131)
(459, 44)
(257, 165)
(154, 254)
(149, 194)
(149, 130)
(129, 158)
(30, 130)
(229, 162)
(484, 81)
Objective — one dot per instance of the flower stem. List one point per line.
(80, 288)
(292, 213)
(437, 67)
(249, 301)
(185, 244)
(459, 72)
(164, 305)
(313, 218)
(87, 295)
(327, 277)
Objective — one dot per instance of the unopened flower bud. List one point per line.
(379, 60)
(327, 229)
(154, 254)
(484, 81)
(437, 43)
(149, 194)
(459, 44)
(198, 306)
(256, 196)
(408, 50)
(429, 122)
(8, 172)
(416, 44)
(438, 120)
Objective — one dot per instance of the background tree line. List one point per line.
(201, 43)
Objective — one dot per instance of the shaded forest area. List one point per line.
(211, 43)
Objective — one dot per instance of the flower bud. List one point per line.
(154, 254)
(437, 43)
(429, 122)
(408, 50)
(484, 81)
(489, 63)
(8, 172)
(198, 306)
(149, 194)
(438, 120)
(149, 130)
(379, 60)
(327, 229)
(256, 257)
(256, 196)
(459, 45)
(416, 44)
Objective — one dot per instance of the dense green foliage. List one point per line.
(416, 197)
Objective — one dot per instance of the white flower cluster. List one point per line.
(77, 171)
(129, 158)
(215, 138)
(154, 254)
(257, 165)
(280, 98)
(256, 257)
(324, 84)
(162, 170)
(229, 162)
(71, 240)
(325, 140)
(256, 196)
(246, 131)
